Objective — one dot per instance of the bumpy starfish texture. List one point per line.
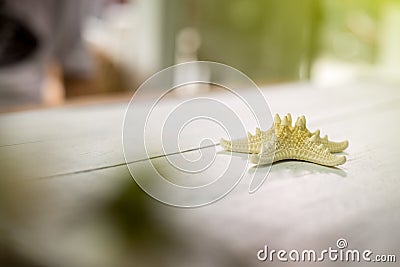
(286, 141)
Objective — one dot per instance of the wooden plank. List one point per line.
(68, 140)
(300, 206)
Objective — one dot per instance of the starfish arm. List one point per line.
(336, 147)
(318, 157)
(241, 146)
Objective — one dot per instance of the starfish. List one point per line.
(285, 141)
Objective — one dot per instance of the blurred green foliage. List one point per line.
(350, 29)
(278, 40)
(274, 40)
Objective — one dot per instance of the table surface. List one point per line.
(75, 154)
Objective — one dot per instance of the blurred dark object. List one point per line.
(36, 37)
(9, 257)
(17, 41)
(108, 77)
(132, 216)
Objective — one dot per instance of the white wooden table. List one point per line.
(57, 164)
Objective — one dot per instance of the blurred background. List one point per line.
(56, 51)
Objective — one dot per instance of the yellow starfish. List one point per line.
(284, 141)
